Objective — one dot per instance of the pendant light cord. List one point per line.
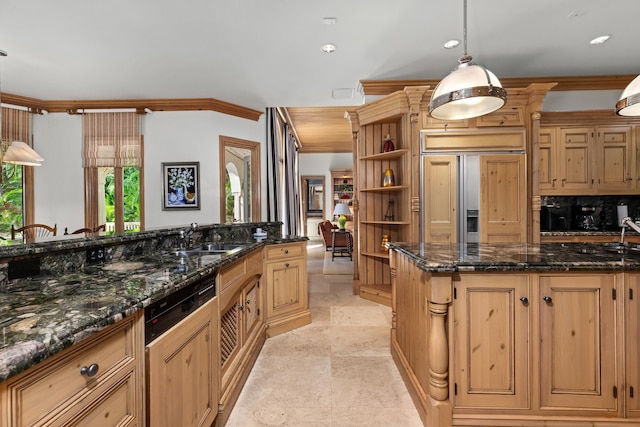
(465, 57)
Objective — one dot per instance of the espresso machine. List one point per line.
(586, 218)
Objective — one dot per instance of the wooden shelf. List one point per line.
(389, 155)
(376, 254)
(383, 189)
(386, 222)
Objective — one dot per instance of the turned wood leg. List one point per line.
(438, 352)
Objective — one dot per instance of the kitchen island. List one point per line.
(517, 334)
(73, 323)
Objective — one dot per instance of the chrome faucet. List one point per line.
(185, 236)
(627, 222)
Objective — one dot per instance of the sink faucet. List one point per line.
(627, 221)
(185, 236)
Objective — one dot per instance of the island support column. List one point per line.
(439, 298)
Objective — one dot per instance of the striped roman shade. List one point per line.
(111, 140)
(15, 125)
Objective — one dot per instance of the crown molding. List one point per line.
(178, 104)
(566, 83)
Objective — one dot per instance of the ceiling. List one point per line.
(258, 54)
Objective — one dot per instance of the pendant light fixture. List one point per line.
(629, 103)
(18, 152)
(470, 90)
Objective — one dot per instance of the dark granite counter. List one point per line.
(442, 257)
(43, 314)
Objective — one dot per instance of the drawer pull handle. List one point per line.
(286, 251)
(91, 371)
(548, 300)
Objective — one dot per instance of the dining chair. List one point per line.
(101, 227)
(32, 231)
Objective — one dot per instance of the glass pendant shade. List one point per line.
(19, 153)
(629, 103)
(470, 90)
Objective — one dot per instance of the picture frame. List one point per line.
(180, 185)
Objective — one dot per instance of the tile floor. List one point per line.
(335, 372)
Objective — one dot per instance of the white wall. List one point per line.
(321, 164)
(168, 137)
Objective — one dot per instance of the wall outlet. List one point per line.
(96, 254)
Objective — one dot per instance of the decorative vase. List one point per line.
(388, 180)
(179, 194)
(383, 245)
(388, 144)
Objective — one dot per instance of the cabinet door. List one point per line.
(575, 167)
(182, 372)
(616, 160)
(547, 159)
(578, 361)
(439, 199)
(632, 344)
(286, 293)
(251, 312)
(491, 341)
(230, 338)
(503, 184)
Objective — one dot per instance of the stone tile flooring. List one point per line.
(335, 372)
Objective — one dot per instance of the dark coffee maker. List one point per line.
(586, 218)
(554, 217)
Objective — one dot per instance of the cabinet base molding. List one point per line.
(288, 323)
(375, 294)
(229, 396)
(537, 421)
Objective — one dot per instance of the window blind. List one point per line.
(111, 140)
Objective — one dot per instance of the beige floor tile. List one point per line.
(335, 372)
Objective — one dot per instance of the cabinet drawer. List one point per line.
(230, 274)
(254, 259)
(54, 386)
(288, 251)
(510, 116)
(113, 408)
(429, 122)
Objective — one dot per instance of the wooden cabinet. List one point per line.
(491, 354)
(242, 327)
(587, 160)
(439, 199)
(182, 365)
(57, 392)
(578, 362)
(631, 299)
(503, 205)
(287, 296)
(341, 189)
(507, 116)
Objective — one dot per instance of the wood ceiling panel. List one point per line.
(321, 129)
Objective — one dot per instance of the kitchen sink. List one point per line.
(207, 249)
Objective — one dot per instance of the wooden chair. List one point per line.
(31, 232)
(102, 227)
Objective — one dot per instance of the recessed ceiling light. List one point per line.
(600, 39)
(329, 21)
(329, 48)
(451, 44)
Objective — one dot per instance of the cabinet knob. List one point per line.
(90, 371)
(248, 302)
(241, 307)
(547, 299)
(286, 264)
(524, 300)
(286, 251)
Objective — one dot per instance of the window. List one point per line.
(112, 159)
(16, 182)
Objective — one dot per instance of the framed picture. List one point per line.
(181, 185)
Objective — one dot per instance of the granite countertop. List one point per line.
(42, 315)
(443, 257)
